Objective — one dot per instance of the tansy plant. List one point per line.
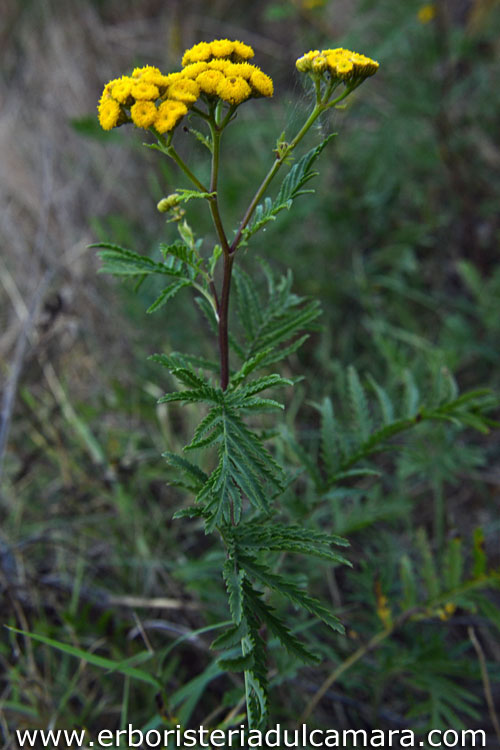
(238, 498)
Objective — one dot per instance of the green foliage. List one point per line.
(347, 442)
(292, 186)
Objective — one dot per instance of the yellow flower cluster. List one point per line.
(220, 69)
(340, 64)
(210, 69)
(146, 95)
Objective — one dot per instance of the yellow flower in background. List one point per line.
(312, 4)
(233, 90)
(143, 114)
(339, 63)
(169, 114)
(109, 114)
(426, 13)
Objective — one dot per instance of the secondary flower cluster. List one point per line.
(341, 64)
(211, 70)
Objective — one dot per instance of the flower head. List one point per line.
(169, 114)
(208, 81)
(339, 63)
(144, 90)
(143, 114)
(121, 90)
(233, 90)
(192, 70)
(262, 84)
(242, 51)
(186, 91)
(109, 114)
(221, 48)
(199, 53)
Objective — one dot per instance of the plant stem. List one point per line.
(223, 307)
(181, 163)
(223, 321)
(319, 108)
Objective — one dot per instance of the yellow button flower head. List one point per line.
(304, 63)
(199, 53)
(220, 64)
(319, 64)
(233, 90)
(169, 114)
(242, 51)
(121, 90)
(143, 114)
(221, 48)
(144, 71)
(109, 114)
(192, 70)
(262, 84)
(208, 81)
(186, 91)
(339, 63)
(144, 90)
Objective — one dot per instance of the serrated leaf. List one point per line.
(291, 188)
(234, 585)
(231, 637)
(169, 292)
(236, 664)
(186, 466)
(289, 590)
(267, 615)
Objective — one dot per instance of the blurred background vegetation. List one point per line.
(400, 244)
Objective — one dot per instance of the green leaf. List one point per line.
(411, 395)
(408, 582)
(176, 359)
(359, 404)
(186, 466)
(169, 292)
(188, 195)
(236, 664)
(267, 615)
(234, 584)
(288, 538)
(97, 661)
(122, 262)
(386, 406)
(291, 188)
(232, 636)
(289, 590)
(428, 569)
